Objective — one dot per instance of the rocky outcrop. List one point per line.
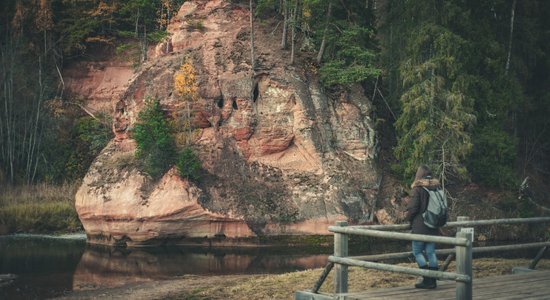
(281, 155)
(98, 83)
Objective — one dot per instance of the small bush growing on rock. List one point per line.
(195, 25)
(155, 145)
(188, 164)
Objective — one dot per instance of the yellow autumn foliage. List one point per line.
(185, 82)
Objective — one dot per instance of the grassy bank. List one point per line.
(38, 208)
(283, 286)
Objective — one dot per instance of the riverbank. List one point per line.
(41, 208)
(280, 286)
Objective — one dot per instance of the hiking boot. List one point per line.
(427, 282)
(433, 281)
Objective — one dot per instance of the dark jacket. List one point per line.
(418, 205)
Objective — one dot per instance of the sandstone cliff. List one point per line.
(282, 156)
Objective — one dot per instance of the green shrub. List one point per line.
(189, 165)
(352, 60)
(156, 148)
(337, 72)
(123, 48)
(493, 158)
(94, 133)
(126, 34)
(157, 36)
(89, 137)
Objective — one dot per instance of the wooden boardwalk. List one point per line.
(524, 286)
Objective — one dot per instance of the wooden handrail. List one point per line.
(393, 268)
(398, 255)
(399, 235)
(463, 250)
(461, 223)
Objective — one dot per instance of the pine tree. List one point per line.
(437, 115)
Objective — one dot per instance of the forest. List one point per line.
(462, 85)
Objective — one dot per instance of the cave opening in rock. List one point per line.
(234, 105)
(220, 102)
(256, 92)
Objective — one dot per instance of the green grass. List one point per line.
(39, 209)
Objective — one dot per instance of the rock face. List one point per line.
(282, 156)
(98, 83)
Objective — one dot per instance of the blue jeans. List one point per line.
(423, 250)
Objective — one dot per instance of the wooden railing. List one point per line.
(463, 251)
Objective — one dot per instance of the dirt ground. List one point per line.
(280, 286)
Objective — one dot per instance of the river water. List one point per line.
(50, 266)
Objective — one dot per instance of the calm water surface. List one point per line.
(49, 266)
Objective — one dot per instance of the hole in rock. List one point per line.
(235, 104)
(220, 102)
(256, 92)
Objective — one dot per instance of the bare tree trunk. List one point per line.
(512, 15)
(285, 25)
(325, 32)
(294, 27)
(34, 136)
(161, 16)
(144, 45)
(45, 43)
(252, 54)
(137, 23)
(347, 10)
(3, 76)
(188, 122)
(20, 119)
(444, 167)
(7, 125)
(169, 11)
(168, 16)
(61, 81)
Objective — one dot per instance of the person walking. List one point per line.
(423, 252)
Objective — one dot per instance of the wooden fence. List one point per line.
(462, 250)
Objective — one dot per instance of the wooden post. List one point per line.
(451, 256)
(341, 250)
(464, 266)
(324, 275)
(447, 262)
(533, 264)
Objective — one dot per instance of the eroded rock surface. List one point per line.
(282, 156)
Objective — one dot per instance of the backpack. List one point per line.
(435, 215)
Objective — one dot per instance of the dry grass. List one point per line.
(38, 193)
(38, 208)
(283, 286)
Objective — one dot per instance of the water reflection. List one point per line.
(108, 267)
(49, 266)
(44, 265)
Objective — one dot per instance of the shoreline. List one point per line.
(281, 286)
